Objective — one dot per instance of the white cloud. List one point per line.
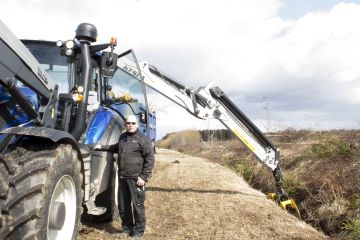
(310, 65)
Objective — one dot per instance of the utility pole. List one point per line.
(267, 110)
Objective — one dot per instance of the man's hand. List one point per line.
(140, 182)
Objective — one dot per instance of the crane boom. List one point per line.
(211, 102)
(207, 102)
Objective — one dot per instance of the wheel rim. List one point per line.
(62, 210)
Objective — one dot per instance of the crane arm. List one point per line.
(211, 102)
(208, 102)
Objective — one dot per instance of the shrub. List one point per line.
(354, 202)
(353, 228)
(327, 193)
(291, 183)
(246, 171)
(331, 148)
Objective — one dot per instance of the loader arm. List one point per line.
(211, 102)
(17, 63)
(20, 63)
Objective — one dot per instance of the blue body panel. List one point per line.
(19, 116)
(13, 115)
(98, 125)
(31, 96)
(4, 95)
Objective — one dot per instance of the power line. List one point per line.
(328, 78)
(300, 83)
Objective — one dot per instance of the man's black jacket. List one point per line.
(135, 153)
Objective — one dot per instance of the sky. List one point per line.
(296, 61)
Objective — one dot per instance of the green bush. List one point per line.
(246, 171)
(331, 148)
(291, 184)
(354, 202)
(353, 228)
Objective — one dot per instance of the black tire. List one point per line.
(32, 178)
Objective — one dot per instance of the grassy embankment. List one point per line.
(321, 172)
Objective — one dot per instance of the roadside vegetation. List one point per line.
(321, 171)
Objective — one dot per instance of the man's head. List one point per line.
(131, 123)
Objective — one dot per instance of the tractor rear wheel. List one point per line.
(40, 192)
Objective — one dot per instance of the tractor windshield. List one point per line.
(52, 61)
(127, 90)
(126, 83)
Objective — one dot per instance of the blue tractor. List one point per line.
(55, 107)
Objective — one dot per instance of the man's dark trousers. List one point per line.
(129, 193)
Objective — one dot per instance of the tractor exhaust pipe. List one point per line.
(85, 33)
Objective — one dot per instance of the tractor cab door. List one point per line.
(125, 91)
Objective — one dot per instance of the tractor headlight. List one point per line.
(80, 89)
(77, 97)
(59, 43)
(69, 44)
(68, 52)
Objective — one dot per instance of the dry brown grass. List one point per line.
(193, 198)
(180, 139)
(320, 169)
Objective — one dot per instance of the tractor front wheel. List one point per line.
(42, 197)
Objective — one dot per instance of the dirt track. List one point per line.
(193, 198)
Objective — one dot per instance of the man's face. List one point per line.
(131, 126)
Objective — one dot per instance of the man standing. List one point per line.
(135, 165)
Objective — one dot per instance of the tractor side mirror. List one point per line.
(108, 64)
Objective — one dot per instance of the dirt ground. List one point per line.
(193, 198)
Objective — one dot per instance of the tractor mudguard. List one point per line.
(44, 132)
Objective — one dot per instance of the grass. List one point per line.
(353, 228)
(245, 170)
(320, 170)
(332, 148)
(180, 139)
(354, 202)
(291, 183)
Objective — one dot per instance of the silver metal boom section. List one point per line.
(173, 92)
(202, 104)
